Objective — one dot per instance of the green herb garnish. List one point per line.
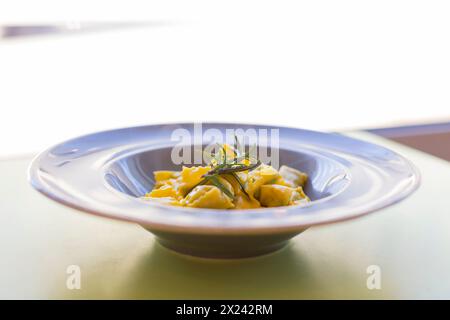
(215, 181)
(236, 177)
(229, 166)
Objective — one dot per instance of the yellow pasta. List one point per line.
(230, 181)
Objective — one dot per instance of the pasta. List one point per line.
(230, 181)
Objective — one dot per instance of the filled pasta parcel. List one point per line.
(232, 180)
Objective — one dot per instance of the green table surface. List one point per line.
(410, 242)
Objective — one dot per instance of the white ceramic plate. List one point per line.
(105, 174)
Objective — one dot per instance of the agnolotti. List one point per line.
(230, 181)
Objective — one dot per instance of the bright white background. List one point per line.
(325, 65)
